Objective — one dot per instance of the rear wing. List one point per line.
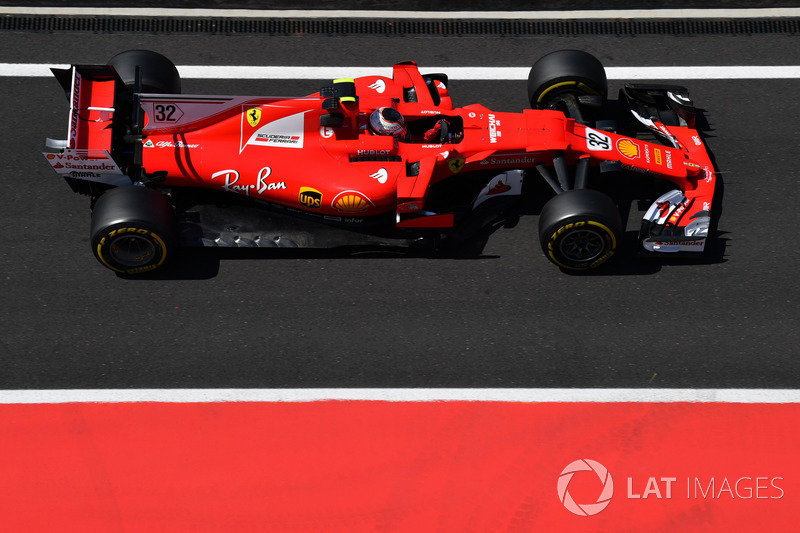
(86, 154)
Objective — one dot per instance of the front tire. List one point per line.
(580, 229)
(566, 72)
(132, 230)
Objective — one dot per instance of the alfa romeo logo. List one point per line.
(591, 508)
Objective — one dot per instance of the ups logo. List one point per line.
(309, 197)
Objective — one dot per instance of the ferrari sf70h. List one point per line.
(373, 160)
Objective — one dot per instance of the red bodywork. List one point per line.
(315, 154)
(276, 148)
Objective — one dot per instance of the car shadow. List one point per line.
(204, 263)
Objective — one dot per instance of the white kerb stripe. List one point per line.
(454, 73)
(757, 396)
(589, 14)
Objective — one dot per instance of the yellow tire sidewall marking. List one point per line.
(137, 231)
(556, 233)
(580, 85)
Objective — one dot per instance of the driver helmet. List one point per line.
(388, 121)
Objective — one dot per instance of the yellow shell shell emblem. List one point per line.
(628, 148)
(351, 203)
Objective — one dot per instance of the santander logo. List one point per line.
(590, 508)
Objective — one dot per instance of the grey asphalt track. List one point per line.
(505, 319)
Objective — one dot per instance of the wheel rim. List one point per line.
(133, 250)
(583, 245)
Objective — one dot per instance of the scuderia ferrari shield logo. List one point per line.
(283, 132)
(455, 165)
(253, 116)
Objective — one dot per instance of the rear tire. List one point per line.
(565, 71)
(133, 230)
(580, 229)
(159, 74)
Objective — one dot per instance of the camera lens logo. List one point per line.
(585, 509)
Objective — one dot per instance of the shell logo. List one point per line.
(351, 202)
(628, 148)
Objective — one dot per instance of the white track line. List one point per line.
(24, 70)
(760, 396)
(592, 14)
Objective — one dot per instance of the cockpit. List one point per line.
(438, 129)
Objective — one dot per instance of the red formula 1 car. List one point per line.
(369, 160)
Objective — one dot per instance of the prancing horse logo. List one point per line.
(455, 165)
(253, 116)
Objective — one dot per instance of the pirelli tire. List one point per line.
(133, 230)
(159, 74)
(580, 229)
(566, 71)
